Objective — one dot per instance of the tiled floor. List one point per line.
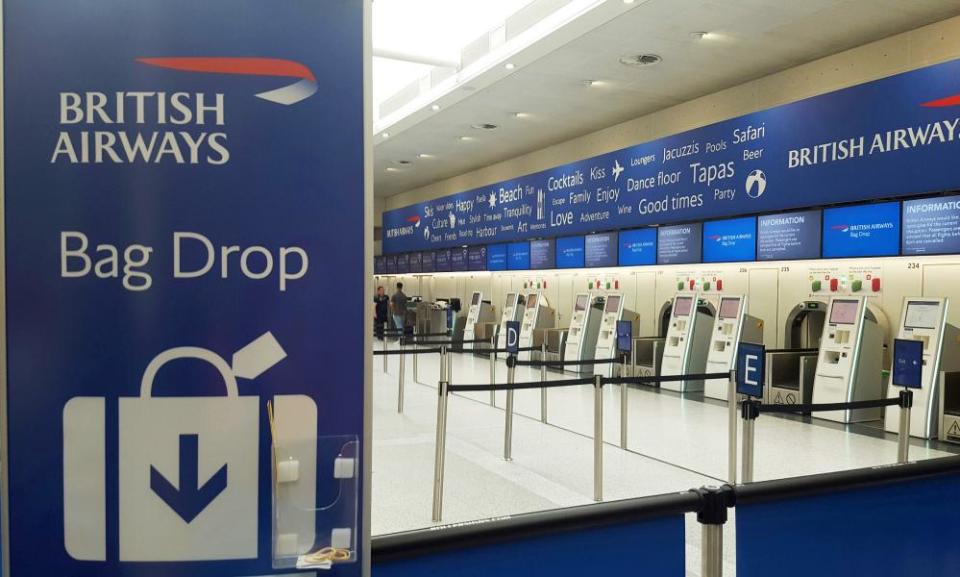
(674, 444)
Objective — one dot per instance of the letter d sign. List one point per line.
(750, 369)
(513, 337)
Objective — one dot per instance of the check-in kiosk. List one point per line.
(537, 314)
(582, 334)
(613, 311)
(790, 371)
(480, 311)
(925, 320)
(733, 325)
(850, 361)
(513, 309)
(688, 339)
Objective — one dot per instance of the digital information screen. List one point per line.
(392, 264)
(931, 225)
(844, 312)
(518, 256)
(613, 304)
(497, 257)
(679, 244)
(416, 262)
(624, 336)
(581, 304)
(600, 250)
(403, 264)
(442, 259)
(638, 247)
(733, 240)
(570, 252)
(477, 258)
(867, 230)
(682, 306)
(791, 236)
(922, 315)
(729, 308)
(379, 265)
(458, 259)
(907, 363)
(428, 261)
(542, 254)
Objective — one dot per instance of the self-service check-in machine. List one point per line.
(850, 360)
(613, 311)
(688, 339)
(512, 311)
(925, 320)
(480, 311)
(732, 326)
(537, 314)
(582, 334)
(791, 370)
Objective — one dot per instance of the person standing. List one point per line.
(381, 312)
(398, 307)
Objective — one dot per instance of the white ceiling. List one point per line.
(751, 38)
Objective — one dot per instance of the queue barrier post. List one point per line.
(750, 410)
(385, 347)
(903, 434)
(402, 376)
(440, 448)
(543, 379)
(508, 413)
(493, 369)
(712, 516)
(732, 428)
(624, 407)
(598, 438)
(416, 366)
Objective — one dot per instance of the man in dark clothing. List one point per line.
(381, 313)
(398, 307)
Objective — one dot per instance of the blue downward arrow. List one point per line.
(189, 500)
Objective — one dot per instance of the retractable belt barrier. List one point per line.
(415, 341)
(520, 386)
(750, 409)
(543, 363)
(663, 379)
(407, 352)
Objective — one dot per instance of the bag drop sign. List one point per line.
(174, 406)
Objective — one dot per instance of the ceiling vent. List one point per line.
(484, 126)
(640, 60)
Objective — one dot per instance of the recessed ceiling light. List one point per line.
(510, 66)
(701, 35)
(393, 169)
(466, 138)
(484, 126)
(589, 83)
(628, 1)
(520, 115)
(385, 135)
(435, 107)
(424, 155)
(640, 60)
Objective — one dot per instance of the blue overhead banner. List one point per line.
(180, 175)
(891, 137)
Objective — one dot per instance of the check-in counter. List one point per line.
(647, 357)
(485, 332)
(556, 340)
(950, 406)
(789, 376)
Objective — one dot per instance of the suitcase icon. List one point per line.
(188, 468)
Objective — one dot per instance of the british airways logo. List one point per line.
(155, 127)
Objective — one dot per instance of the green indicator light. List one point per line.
(816, 286)
(857, 285)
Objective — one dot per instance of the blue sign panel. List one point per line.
(907, 363)
(624, 336)
(931, 226)
(543, 254)
(416, 262)
(750, 369)
(180, 178)
(570, 252)
(638, 247)
(730, 240)
(867, 230)
(428, 260)
(459, 259)
(403, 263)
(442, 259)
(916, 537)
(391, 264)
(379, 265)
(679, 244)
(892, 137)
(518, 256)
(513, 337)
(791, 236)
(600, 250)
(497, 257)
(477, 258)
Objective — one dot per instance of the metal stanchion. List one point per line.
(623, 405)
(385, 347)
(711, 561)
(750, 412)
(732, 429)
(493, 369)
(543, 379)
(508, 423)
(443, 364)
(400, 379)
(416, 366)
(903, 435)
(449, 373)
(441, 445)
(598, 438)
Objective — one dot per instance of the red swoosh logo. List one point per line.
(943, 102)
